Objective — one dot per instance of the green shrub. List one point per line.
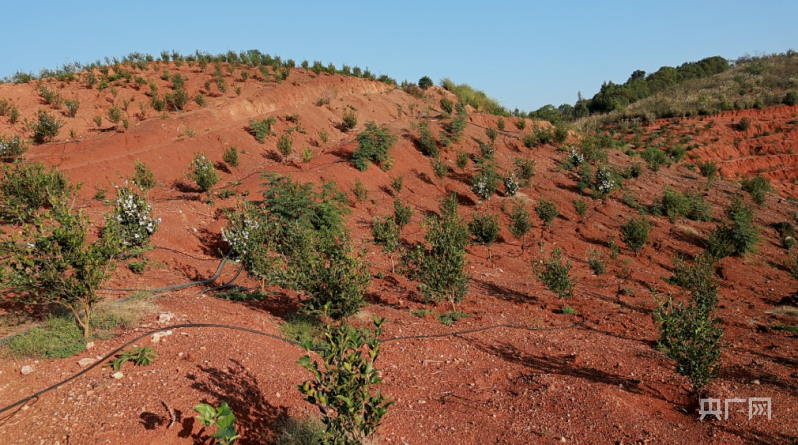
(757, 187)
(203, 172)
(426, 141)
(177, 99)
(556, 275)
(350, 119)
(500, 124)
(485, 229)
(360, 191)
(547, 211)
(596, 261)
(787, 234)
(285, 145)
(200, 99)
(447, 318)
(520, 124)
(792, 262)
(737, 235)
(520, 222)
(262, 129)
(744, 124)
(60, 337)
(440, 263)
(456, 127)
(690, 205)
(115, 114)
(529, 140)
(708, 169)
(374, 145)
(439, 167)
(467, 95)
(341, 388)
(46, 127)
(525, 169)
(560, 133)
(655, 158)
(12, 148)
(462, 160)
(635, 232)
(425, 82)
(144, 356)
(690, 336)
(230, 156)
(791, 98)
(130, 223)
(402, 213)
(28, 186)
(447, 105)
(72, 106)
(55, 264)
(386, 233)
(397, 182)
(580, 206)
(324, 136)
(143, 176)
(511, 184)
(486, 181)
(697, 277)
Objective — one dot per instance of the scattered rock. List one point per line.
(89, 345)
(27, 369)
(562, 439)
(158, 336)
(755, 382)
(165, 317)
(118, 375)
(84, 362)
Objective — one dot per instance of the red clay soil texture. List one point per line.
(600, 381)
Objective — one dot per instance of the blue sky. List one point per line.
(526, 54)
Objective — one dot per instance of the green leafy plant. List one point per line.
(692, 337)
(143, 176)
(262, 129)
(675, 205)
(500, 124)
(52, 262)
(425, 82)
(230, 156)
(439, 167)
(374, 144)
(426, 141)
(580, 206)
(447, 318)
(285, 144)
(737, 235)
(360, 191)
(223, 418)
(349, 119)
(486, 181)
(342, 391)
(655, 158)
(29, 186)
(72, 106)
(556, 275)
(634, 233)
(440, 263)
(386, 233)
(114, 114)
(143, 356)
(307, 155)
(12, 147)
(397, 182)
(484, 228)
(59, 337)
(45, 128)
(324, 136)
(520, 222)
(757, 187)
(130, 223)
(402, 213)
(203, 173)
(547, 211)
(596, 261)
(744, 124)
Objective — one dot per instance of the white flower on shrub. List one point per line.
(132, 219)
(511, 184)
(604, 182)
(576, 157)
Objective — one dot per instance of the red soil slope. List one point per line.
(598, 382)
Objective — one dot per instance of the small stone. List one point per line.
(118, 375)
(84, 362)
(158, 336)
(89, 345)
(166, 317)
(756, 382)
(27, 369)
(562, 439)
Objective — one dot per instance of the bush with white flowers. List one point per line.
(243, 231)
(575, 157)
(604, 181)
(12, 148)
(203, 172)
(511, 184)
(131, 221)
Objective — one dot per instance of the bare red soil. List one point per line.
(599, 382)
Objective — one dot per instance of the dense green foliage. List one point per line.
(374, 143)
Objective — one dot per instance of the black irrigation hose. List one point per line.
(272, 336)
(178, 286)
(229, 283)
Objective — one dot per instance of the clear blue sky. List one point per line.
(525, 54)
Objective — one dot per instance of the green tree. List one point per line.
(374, 144)
(485, 229)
